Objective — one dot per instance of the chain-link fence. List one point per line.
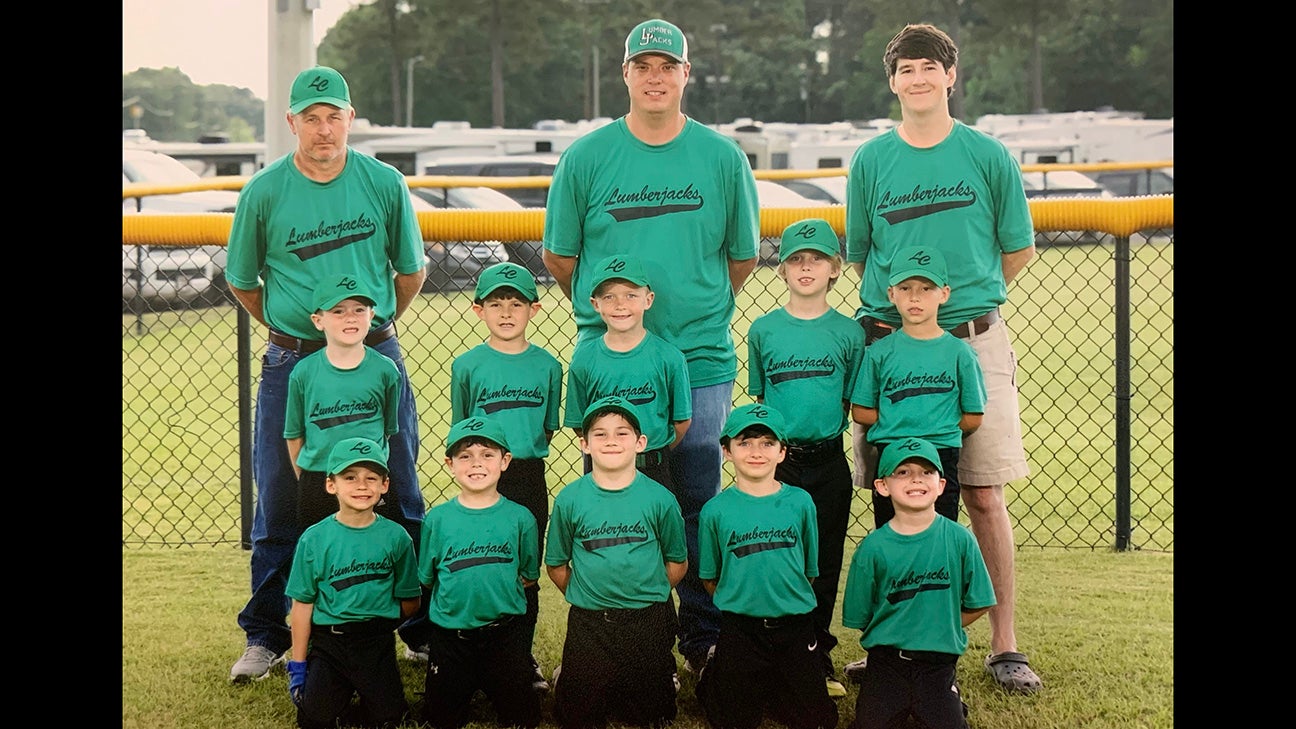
(1091, 319)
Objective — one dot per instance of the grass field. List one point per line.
(181, 477)
(1098, 625)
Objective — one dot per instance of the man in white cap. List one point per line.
(681, 198)
(321, 210)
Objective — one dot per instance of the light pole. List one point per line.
(409, 89)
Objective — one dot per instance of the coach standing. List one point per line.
(321, 210)
(681, 197)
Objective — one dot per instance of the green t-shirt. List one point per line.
(963, 196)
(618, 542)
(522, 392)
(684, 208)
(920, 387)
(351, 574)
(289, 232)
(909, 591)
(327, 405)
(764, 549)
(474, 561)
(653, 377)
(805, 369)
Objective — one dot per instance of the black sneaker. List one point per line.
(698, 661)
(538, 682)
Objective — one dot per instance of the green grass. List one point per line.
(180, 437)
(1098, 626)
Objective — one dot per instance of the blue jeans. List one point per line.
(274, 521)
(695, 477)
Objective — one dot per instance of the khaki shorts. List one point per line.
(993, 455)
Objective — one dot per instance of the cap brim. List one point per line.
(903, 275)
(301, 106)
(624, 413)
(357, 297)
(373, 465)
(667, 54)
(531, 295)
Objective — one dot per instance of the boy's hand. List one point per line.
(296, 680)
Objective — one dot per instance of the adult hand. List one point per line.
(296, 680)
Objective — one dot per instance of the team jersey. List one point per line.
(522, 392)
(684, 208)
(920, 388)
(963, 196)
(474, 560)
(617, 541)
(360, 223)
(764, 549)
(909, 591)
(805, 369)
(353, 573)
(327, 404)
(653, 376)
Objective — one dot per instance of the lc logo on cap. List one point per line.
(745, 416)
(625, 268)
(506, 274)
(319, 85)
(475, 426)
(812, 233)
(333, 290)
(351, 451)
(919, 262)
(909, 448)
(656, 36)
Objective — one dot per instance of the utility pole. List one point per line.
(409, 89)
(292, 50)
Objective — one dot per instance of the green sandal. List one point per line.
(1013, 673)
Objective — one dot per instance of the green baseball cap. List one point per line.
(356, 450)
(628, 268)
(813, 233)
(745, 416)
(920, 261)
(904, 450)
(319, 85)
(506, 274)
(329, 292)
(656, 36)
(611, 402)
(475, 427)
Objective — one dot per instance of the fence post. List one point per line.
(1122, 286)
(244, 329)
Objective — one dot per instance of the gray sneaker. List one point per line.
(855, 670)
(418, 654)
(255, 664)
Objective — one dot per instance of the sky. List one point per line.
(211, 41)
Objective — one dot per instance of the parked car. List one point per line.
(502, 165)
(528, 253)
(171, 276)
(771, 194)
(827, 190)
(164, 277)
(1063, 183)
(1126, 183)
(455, 265)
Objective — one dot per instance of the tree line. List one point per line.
(511, 63)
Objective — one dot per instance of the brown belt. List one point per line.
(306, 346)
(875, 329)
(977, 325)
